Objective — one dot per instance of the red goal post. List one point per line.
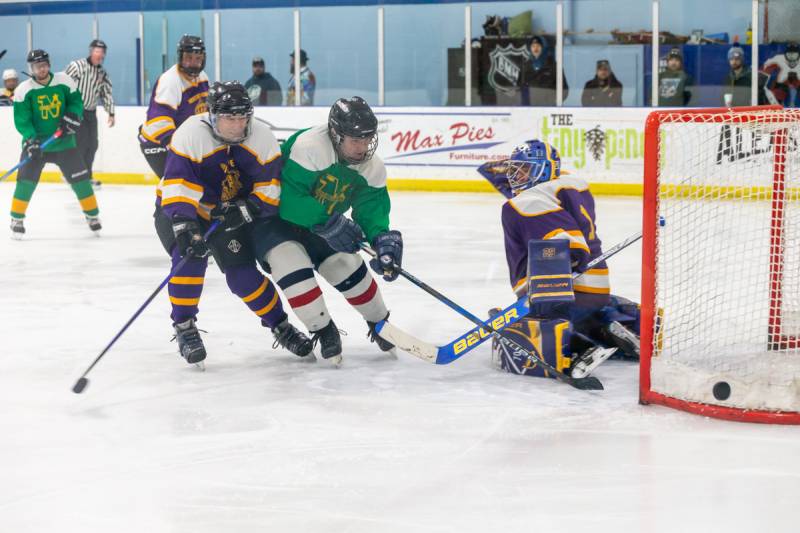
(720, 322)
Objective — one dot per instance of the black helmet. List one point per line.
(303, 56)
(792, 49)
(98, 43)
(353, 118)
(37, 56)
(191, 44)
(229, 98)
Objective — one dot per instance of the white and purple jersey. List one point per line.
(202, 172)
(175, 98)
(562, 208)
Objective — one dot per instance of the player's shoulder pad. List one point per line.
(169, 88)
(535, 201)
(262, 143)
(565, 181)
(194, 140)
(22, 90)
(373, 171)
(62, 78)
(313, 149)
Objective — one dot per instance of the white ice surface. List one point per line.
(264, 442)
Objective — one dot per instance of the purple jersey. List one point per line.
(175, 98)
(562, 208)
(202, 172)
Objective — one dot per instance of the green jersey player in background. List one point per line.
(329, 169)
(43, 104)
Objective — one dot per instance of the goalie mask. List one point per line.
(230, 111)
(531, 163)
(191, 44)
(353, 130)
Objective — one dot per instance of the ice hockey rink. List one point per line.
(262, 441)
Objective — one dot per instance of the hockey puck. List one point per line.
(662, 221)
(721, 390)
(80, 385)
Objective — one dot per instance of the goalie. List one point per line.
(550, 235)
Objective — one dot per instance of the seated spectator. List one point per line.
(674, 84)
(263, 88)
(10, 82)
(538, 76)
(604, 90)
(308, 82)
(738, 80)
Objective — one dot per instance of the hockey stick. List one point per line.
(447, 353)
(586, 383)
(22, 163)
(83, 381)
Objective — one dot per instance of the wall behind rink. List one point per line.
(434, 149)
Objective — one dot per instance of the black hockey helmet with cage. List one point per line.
(38, 56)
(229, 98)
(353, 118)
(191, 44)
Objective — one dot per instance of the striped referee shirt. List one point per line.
(93, 83)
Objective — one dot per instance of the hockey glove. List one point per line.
(234, 215)
(189, 238)
(341, 233)
(70, 123)
(388, 247)
(33, 149)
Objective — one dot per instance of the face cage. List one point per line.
(339, 139)
(524, 174)
(218, 136)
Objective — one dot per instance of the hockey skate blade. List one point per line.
(585, 367)
(16, 236)
(201, 365)
(335, 361)
(407, 343)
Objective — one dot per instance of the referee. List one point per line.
(93, 84)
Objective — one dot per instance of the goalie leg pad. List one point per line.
(547, 340)
(549, 277)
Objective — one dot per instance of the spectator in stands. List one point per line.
(308, 82)
(674, 84)
(10, 82)
(263, 88)
(737, 81)
(604, 90)
(538, 76)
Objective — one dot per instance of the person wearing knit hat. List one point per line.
(738, 80)
(10, 82)
(674, 84)
(538, 76)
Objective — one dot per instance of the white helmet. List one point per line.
(9, 74)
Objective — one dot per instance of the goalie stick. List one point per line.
(447, 353)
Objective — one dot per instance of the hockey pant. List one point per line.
(293, 253)
(233, 253)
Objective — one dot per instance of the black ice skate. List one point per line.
(382, 343)
(190, 345)
(17, 229)
(94, 224)
(330, 343)
(584, 363)
(289, 337)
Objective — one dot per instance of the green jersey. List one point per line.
(38, 109)
(314, 184)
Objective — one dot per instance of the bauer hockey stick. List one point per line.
(22, 163)
(83, 381)
(586, 383)
(447, 353)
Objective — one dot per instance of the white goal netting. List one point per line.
(727, 260)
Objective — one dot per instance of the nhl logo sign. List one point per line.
(234, 246)
(506, 64)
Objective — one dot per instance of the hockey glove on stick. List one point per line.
(388, 248)
(234, 215)
(33, 149)
(341, 234)
(189, 238)
(70, 123)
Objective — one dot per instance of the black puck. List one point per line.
(80, 385)
(721, 390)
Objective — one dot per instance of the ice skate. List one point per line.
(94, 224)
(627, 341)
(17, 229)
(190, 345)
(382, 343)
(330, 343)
(289, 337)
(588, 360)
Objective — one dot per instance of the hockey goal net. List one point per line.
(721, 263)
